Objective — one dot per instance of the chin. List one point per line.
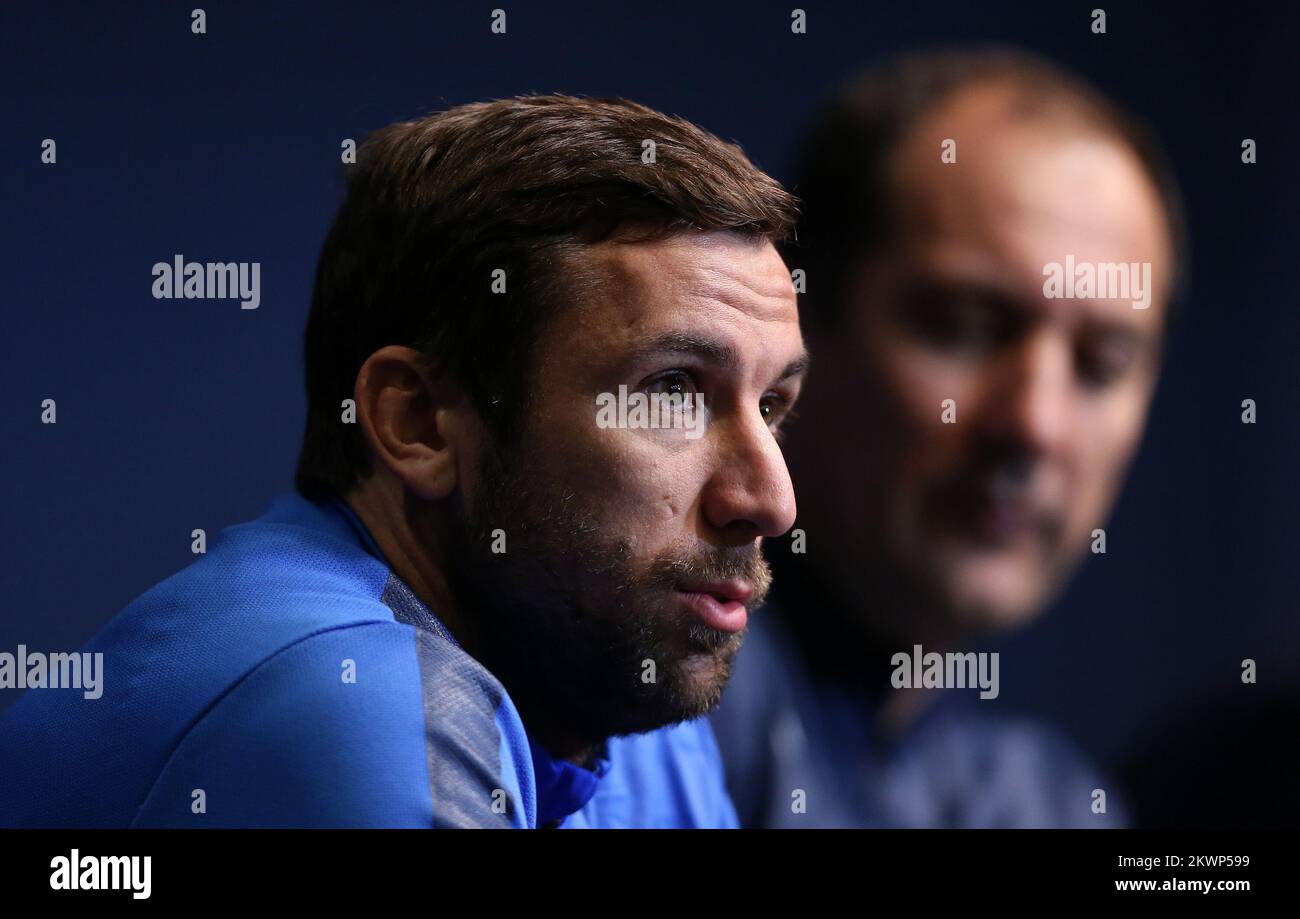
(698, 684)
(997, 594)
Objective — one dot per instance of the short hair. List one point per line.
(436, 205)
(844, 179)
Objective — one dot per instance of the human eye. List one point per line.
(671, 383)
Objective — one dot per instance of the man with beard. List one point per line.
(960, 445)
(480, 608)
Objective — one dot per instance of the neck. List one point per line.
(407, 535)
(411, 544)
(584, 757)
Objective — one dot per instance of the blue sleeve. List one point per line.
(331, 732)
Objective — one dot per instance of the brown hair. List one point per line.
(434, 206)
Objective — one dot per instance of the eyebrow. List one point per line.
(1118, 328)
(1024, 308)
(711, 351)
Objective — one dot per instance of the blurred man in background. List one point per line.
(964, 435)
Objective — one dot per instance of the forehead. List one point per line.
(716, 282)
(1026, 191)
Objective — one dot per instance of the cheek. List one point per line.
(632, 481)
(915, 387)
(1107, 438)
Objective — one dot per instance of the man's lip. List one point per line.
(715, 608)
(732, 589)
(1003, 520)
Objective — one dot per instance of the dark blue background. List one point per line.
(225, 147)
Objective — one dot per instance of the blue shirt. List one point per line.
(288, 678)
(804, 751)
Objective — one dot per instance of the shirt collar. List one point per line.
(359, 529)
(564, 788)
